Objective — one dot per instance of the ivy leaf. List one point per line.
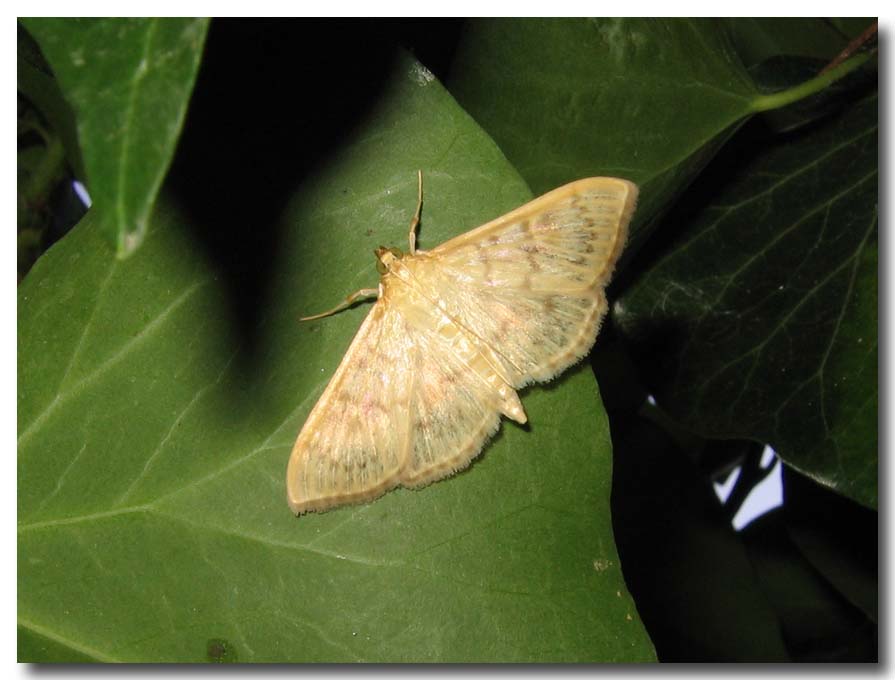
(765, 306)
(653, 100)
(153, 523)
(35, 81)
(648, 100)
(759, 39)
(129, 82)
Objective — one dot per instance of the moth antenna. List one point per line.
(414, 223)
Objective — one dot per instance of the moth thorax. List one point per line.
(385, 257)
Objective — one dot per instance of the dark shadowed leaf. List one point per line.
(838, 537)
(153, 523)
(816, 621)
(129, 82)
(704, 603)
(782, 72)
(758, 39)
(34, 80)
(764, 309)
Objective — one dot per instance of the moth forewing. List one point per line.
(455, 332)
(605, 203)
(354, 443)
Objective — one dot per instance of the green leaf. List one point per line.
(817, 623)
(758, 39)
(35, 648)
(35, 81)
(765, 307)
(651, 100)
(153, 523)
(648, 100)
(790, 74)
(705, 603)
(839, 538)
(129, 82)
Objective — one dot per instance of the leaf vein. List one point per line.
(124, 156)
(71, 644)
(125, 349)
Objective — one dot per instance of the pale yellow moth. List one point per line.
(454, 333)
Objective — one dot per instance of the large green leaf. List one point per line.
(764, 310)
(153, 524)
(129, 82)
(650, 100)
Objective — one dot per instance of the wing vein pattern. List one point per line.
(455, 332)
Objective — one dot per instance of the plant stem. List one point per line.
(852, 47)
(777, 100)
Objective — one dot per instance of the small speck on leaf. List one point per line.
(218, 650)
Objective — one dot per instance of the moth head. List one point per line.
(385, 257)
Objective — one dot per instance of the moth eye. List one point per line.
(381, 268)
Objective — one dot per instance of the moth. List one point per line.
(454, 333)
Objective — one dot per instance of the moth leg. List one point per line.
(414, 223)
(350, 300)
